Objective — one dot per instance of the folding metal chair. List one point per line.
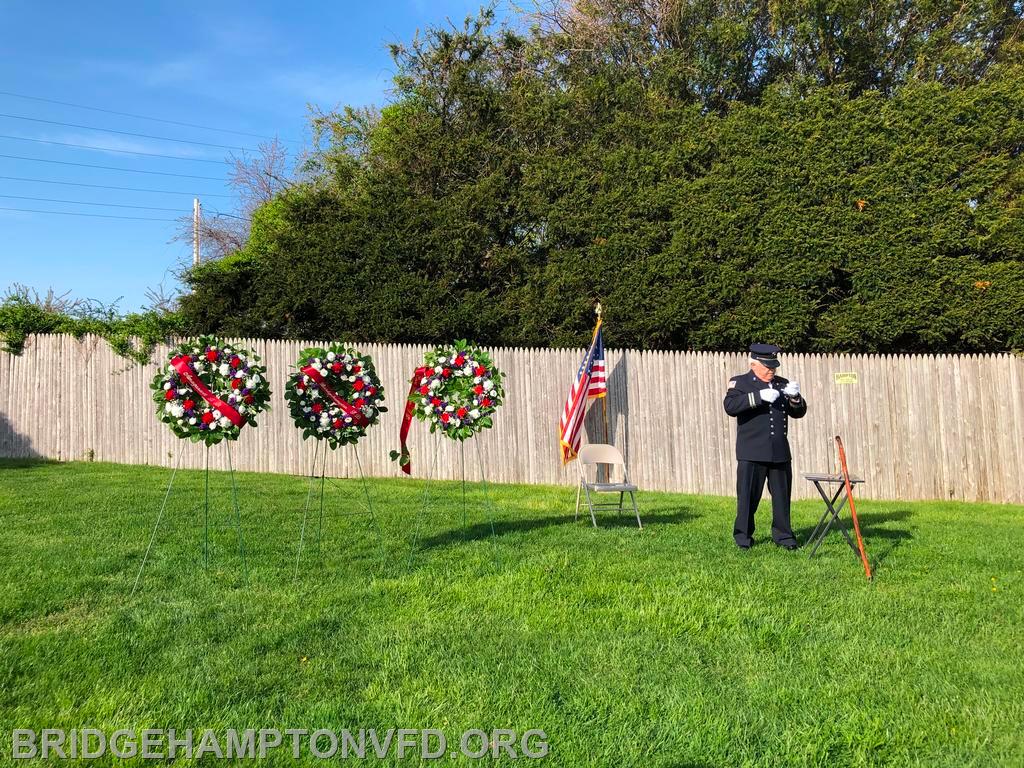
(593, 455)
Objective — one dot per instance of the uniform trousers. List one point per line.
(750, 479)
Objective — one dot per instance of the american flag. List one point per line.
(590, 383)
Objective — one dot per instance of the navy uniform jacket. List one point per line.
(762, 427)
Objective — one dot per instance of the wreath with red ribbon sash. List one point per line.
(209, 390)
(334, 394)
(456, 390)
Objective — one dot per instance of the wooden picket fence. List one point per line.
(915, 426)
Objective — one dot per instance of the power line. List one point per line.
(125, 133)
(107, 186)
(144, 117)
(92, 215)
(83, 202)
(106, 149)
(112, 168)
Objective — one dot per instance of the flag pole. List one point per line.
(604, 400)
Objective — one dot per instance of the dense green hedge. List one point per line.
(500, 197)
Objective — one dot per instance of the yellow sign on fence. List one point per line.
(848, 377)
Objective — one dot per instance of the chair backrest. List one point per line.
(601, 453)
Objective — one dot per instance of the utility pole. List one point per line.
(197, 213)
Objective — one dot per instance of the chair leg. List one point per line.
(636, 511)
(621, 496)
(590, 503)
(578, 489)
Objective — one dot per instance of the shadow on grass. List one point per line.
(870, 529)
(483, 530)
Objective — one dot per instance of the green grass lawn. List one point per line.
(661, 647)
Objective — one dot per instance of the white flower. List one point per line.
(224, 423)
(455, 422)
(181, 421)
(307, 409)
(216, 413)
(312, 417)
(478, 379)
(468, 370)
(438, 368)
(227, 350)
(488, 385)
(240, 374)
(441, 360)
(241, 408)
(177, 410)
(475, 413)
(435, 383)
(426, 406)
(193, 421)
(224, 369)
(182, 390)
(331, 356)
(167, 385)
(200, 368)
(212, 425)
(449, 408)
(252, 381)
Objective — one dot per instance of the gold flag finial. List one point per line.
(597, 309)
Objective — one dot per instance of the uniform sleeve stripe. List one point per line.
(750, 397)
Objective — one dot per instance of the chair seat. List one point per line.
(612, 487)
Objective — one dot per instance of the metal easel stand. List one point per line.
(425, 503)
(320, 453)
(830, 518)
(206, 515)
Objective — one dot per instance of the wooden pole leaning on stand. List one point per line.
(853, 507)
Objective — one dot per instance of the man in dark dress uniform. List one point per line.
(763, 404)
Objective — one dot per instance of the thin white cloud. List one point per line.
(116, 145)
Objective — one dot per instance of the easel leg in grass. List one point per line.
(156, 525)
(423, 503)
(206, 511)
(487, 504)
(369, 504)
(305, 510)
(238, 518)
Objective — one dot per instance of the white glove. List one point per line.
(769, 395)
(792, 389)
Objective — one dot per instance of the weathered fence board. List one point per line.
(917, 427)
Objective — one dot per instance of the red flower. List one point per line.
(480, 370)
(356, 369)
(336, 367)
(424, 390)
(435, 401)
(249, 399)
(359, 402)
(460, 361)
(461, 413)
(236, 383)
(485, 402)
(211, 355)
(446, 372)
(445, 417)
(358, 385)
(371, 391)
(169, 394)
(235, 362)
(300, 386)
(207, 417)
(317, 408)
(478, 389)
(337, 423)
(188, 405)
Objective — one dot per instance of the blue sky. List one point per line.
(251, 67)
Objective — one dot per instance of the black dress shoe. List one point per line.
(791, 545)
(743, 546)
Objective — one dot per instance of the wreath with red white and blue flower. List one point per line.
(210, 389)
(334, 394)
(456, 390)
